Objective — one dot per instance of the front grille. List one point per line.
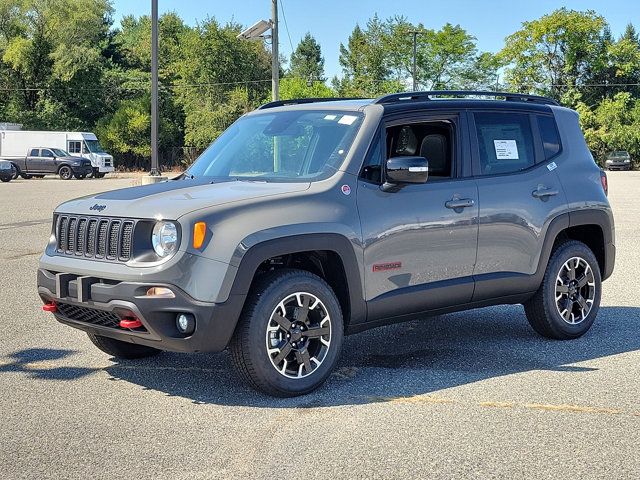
(93, 237)
(89, 315)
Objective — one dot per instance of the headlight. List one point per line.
(76, 164)
(164, 238)
(627, 160)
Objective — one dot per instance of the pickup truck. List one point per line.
(42, 161)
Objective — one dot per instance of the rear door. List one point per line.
(519, 195)
(419, 241)
(33, 162)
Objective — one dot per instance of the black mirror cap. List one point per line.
(401, 170)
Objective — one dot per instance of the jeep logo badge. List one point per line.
(98, 208)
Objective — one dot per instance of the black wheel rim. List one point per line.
(575, 290)
(298, 335)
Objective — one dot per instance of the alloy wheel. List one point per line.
(575, 290)
(298, 335)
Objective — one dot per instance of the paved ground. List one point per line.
(474, 394)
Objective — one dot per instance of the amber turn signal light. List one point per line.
(199, 233)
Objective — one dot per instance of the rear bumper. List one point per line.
(215, 322)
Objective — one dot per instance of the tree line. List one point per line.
(64, 65)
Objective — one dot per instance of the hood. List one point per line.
(174, 198)
(71, 158)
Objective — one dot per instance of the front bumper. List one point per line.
(618, 165)
(82, 170)
(103, 169)
(93, 299)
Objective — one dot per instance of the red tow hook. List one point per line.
(130, 323)
(50, 307)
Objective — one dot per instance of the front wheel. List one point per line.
(290, 334)
(79, 176)
(120, 349)
(99, 174)
(5, 180)
(566, 304)
(65, 173)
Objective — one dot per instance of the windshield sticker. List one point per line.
(347, 119)
(330, 117)
(346, 189)
(506, 149)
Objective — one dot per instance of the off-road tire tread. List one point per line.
(240, 341)
(535, 307)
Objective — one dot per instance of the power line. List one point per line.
(284, 17)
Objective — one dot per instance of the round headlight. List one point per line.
(164, 238)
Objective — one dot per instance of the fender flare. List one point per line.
(337, 243)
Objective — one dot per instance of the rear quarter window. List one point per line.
(550, 136)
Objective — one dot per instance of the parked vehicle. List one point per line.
(7, 171)
(618, 160)
(310, 219)
(42, 161)
(14, 143)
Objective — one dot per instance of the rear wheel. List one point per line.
(290, 335)
(79, 176)
(566, 304)
(65, 172)
(25, 176)
(119, 349)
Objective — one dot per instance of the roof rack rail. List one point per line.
(421, 96)
(300, 101)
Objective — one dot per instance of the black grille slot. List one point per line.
(62, 235)
(93, 237)
(114, 233)
(125, 252)
(81, 242)
(102, 238)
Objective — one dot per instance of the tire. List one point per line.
(544, 312)
(16, 174)
(120, 349)
(26, 176)
(65, 172)
(306, 365)
(6, 180)
(79, 177)
(99, 175)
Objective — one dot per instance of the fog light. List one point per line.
(186, 323)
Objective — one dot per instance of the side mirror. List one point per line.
(405, 170)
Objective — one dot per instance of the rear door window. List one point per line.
(34, 153)
(505, 142)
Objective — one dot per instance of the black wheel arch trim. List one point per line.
(333, 242)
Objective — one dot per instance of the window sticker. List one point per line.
(506, 149)
(347, 119)
(330, 117)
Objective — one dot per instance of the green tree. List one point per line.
(307, 61)
(297, 87)
(552, 55)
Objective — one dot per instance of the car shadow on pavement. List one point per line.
(403, 360)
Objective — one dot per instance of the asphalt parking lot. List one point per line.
(474, 394)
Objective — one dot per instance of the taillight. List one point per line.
(604, 182)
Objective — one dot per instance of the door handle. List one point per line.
(543, 192)
(459, 203)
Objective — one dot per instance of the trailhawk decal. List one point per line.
(383, 267)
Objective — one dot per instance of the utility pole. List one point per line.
(414, 72)
(275, 61)
(154, 89)
(154, 175)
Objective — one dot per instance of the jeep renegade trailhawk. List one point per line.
(311, 219)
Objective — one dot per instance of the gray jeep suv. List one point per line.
(311, 219)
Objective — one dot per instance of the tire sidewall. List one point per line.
(65, 173)
(269, 299)
(564, 253)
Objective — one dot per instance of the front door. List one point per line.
(48, 161)
(419, 241)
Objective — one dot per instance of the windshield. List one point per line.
(289, 146)
(58, 152)
(94, 146)
(619, 154)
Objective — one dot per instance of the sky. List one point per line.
(331, 21)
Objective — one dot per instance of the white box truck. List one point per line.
(15, 144)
